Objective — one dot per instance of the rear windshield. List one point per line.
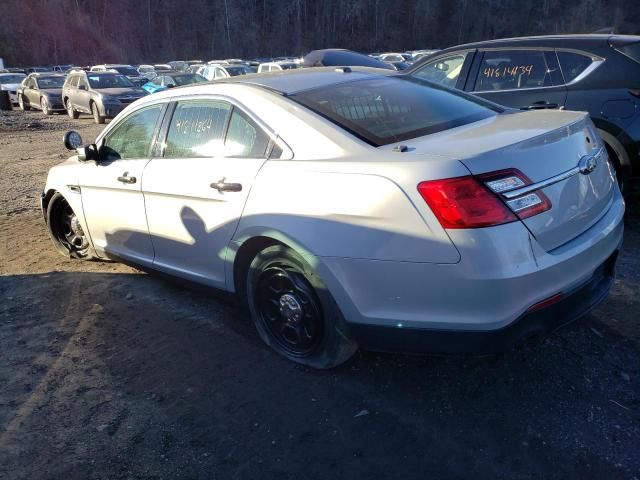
(632, 50)
(392, 109)
(109, 81)
(130, 71)
(50, 82)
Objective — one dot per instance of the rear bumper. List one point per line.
(572, 306)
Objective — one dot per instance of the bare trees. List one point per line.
(86, 31)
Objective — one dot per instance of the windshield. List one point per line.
(126, 71)
(50, 82)
(109, 81)
(188, 78)
(12, 78)
(239, 70)
(393, 109)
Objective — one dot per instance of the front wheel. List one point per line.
(44, 105)
(65, 230)
(21, 103)
(293, 310)
(96, 114)
(70, 110)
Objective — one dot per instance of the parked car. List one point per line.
(147, 71)
(338, 57)
(599, 74)
(10, 82)
(127, 70)
(42, 91)
(170, 80)
(352, 207)
(178, 65)
(277, 66)
(100, 94)
(215, 72)
(162, 67)
(395, 57)
(37, 69)
(194, 67)
(62, 68)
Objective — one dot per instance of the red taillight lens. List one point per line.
(464, 202)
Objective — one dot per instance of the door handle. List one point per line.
(223, 186)
(125, 178)
(541, 105)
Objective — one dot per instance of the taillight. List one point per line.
(525, 205)
(464, 202)
(474, 202)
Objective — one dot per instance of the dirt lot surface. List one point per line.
(110, 373)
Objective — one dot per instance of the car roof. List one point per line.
(289, 82)
(542, 40)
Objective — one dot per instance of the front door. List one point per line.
(112, 197)
(196, 189)
(523, 79)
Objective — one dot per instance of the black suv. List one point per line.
(599, 74)
(101, 94)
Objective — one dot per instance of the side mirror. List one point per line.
(88, 152)
(72, 140)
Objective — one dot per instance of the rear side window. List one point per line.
(197, 129)
(513, 69)
(572, 64)
(132, 137)
(392, 109)
(244, 137)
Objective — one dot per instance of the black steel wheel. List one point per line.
(293, 310)
(65, 229)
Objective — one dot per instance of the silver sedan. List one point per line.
(352, 207)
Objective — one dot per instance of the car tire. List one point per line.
(70, 110)
(21, 103)
(99, 119)
(44, 105)
(294, 312)
(65, 230)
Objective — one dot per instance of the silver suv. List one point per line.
(101, 94)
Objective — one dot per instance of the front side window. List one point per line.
(444, 71)
(572, 64)
(244, 137)
(393, 109)
(132, 137)
(197, 129)
(513, 69)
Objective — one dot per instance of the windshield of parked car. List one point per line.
(130, 71)
(392, 109)
(50, 82)
(12, 78)
(188, 78)
(237, 70)
(109, 81)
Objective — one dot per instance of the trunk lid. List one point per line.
(546, 146)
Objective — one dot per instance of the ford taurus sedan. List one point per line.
(352, 207)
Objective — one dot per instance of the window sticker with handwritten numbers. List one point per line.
(506, 71)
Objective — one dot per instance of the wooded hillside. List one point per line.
(34, 32)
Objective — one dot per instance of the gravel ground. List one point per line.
(107, 373)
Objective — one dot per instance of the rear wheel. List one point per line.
(622, 174)
(96, 113)
(70, 110)
(294, 312)
(65, 229)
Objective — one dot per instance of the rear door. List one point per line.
(518, 78)
(196, 186)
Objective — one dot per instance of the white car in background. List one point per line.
(219, 71)
(277, 66)
(352, 207)
(10, 82)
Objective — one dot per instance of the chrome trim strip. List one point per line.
(548, 182)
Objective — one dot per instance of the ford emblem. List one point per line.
(587, 164)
